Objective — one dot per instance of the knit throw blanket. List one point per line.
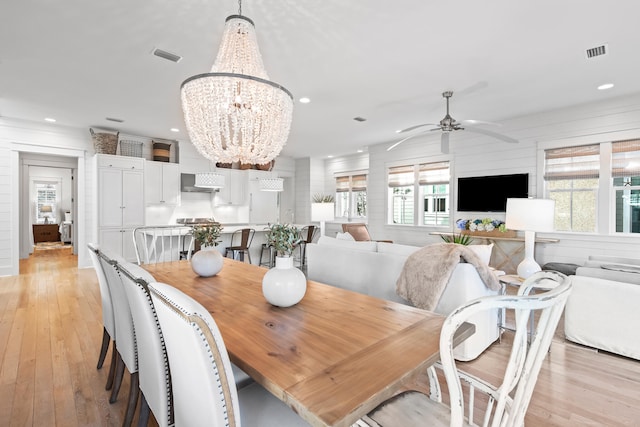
(427, 271)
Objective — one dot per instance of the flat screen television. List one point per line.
(490, 193)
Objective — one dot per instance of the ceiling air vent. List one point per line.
(597, 51)
(359, 119)
(111, 119)
(167, 55)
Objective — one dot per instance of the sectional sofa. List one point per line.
(603, 310)
(373, 268)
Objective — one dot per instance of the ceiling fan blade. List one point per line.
(444, 143)
(493, 134)
(404, 139)
(479, 122)
(416, 127)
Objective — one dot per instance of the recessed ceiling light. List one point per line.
(304, 100)
(605, 86)
(50, 120)
(398, 130)
(360, 150)
(174, 130)
(330, 156)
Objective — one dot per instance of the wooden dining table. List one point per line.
(333, 357)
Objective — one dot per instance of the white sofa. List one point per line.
(603, 310)
(373, 267)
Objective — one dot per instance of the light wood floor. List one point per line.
(51, 327)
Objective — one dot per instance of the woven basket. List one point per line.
(104, 143)
(161, 151)
(131, 148)
(266, 166)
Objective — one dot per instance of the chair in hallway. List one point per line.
(507, 399)
(108, 322)
(240, 244)
(203, 384)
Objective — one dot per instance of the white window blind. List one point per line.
(579, 162)
(625, 158)
(342, 184)
(401, 176)
(359, 183)
(434, 173)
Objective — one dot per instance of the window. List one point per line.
(434, 185)
(625, 171)
(45, 203)
(571, 178)
(430, 181)
(351, 196)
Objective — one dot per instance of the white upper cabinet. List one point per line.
(162, 183)
(120, 192)
(234, 192)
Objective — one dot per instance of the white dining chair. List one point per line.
(153, 367)
(202, 379)
(163, 243)
(507, 399)
(125, 342)
(108, 322)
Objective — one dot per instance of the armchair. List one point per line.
(360, 232)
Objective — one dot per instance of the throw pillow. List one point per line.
(483, 252)
(345, 236)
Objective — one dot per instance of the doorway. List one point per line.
(68, 206)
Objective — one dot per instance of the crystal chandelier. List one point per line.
(234, 113)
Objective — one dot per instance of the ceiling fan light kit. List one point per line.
(448, 124)
(235, 113)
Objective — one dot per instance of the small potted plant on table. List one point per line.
(207, 261)
(283, 285)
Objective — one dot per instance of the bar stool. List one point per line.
(307, 234)
(245, 236)
(269, 262)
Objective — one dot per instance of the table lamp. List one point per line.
(46, 211)
(322, 212)
(530, 215)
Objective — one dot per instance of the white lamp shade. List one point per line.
(209, 180)
(271, 184)
(322, 211)
(530, 214)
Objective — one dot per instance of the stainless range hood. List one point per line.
(187, 184)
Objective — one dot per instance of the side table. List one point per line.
(513, 281)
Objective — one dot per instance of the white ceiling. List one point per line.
(81, 61)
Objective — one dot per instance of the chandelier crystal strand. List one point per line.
(234, 113)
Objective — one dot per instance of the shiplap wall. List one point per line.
(474, 155)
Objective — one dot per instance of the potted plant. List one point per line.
(284, 238)
(283, 285)
(208, 261)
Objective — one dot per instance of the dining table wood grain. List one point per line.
(332, 357)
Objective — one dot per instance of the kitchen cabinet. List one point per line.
(263, 205)
(234, 192)
(120, 194)
(161, 183)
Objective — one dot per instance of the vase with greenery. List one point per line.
(461, 239)
(208, 261)
(283, 285)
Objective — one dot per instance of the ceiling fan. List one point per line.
(448, 124)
